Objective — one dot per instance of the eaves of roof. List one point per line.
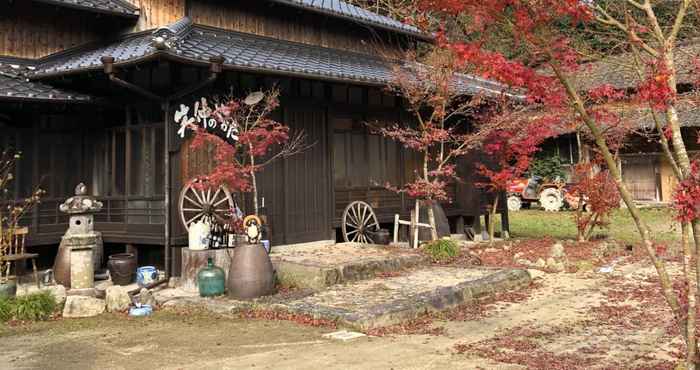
(195, 44)
(344, 10)
(120, 8)
(14, 86)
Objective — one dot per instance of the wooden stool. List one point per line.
(16, 252)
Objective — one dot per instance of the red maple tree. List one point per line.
(511, 149)
(259, 141)
(549, 73)
(438, 129)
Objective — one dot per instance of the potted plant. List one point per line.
(11, 211)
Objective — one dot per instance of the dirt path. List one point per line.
(555, 327)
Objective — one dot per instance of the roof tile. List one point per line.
(15, 86)
(116, 7)
(342, 9)
(245, 52)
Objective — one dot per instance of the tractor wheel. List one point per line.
(514, 203)
(551, 199)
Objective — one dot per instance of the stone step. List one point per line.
(385, 301)
(319, 267)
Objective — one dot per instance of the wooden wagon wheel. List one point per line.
(197, 203)
(358, 223)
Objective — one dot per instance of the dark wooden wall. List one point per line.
(286, 23)
(156, 13)
(33, 30)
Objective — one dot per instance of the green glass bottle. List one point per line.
(211, 280)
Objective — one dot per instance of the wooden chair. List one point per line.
(17, 253)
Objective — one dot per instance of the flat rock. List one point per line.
(386, 301)
(117, 299)
(83, 306)
(318, 267)
(535, 274)
(557, 251)
(344, 335)
(146, 297)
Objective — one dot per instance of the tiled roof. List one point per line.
(687, 106)
(342, 9)
(620, 72)
(15, 86)
(241, 51)
(116, 7)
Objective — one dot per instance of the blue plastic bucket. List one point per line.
(144, 310)
(146, 275)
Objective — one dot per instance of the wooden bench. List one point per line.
(16, 253)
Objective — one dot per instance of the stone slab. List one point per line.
(386, 301)
(344, 335)
(318, 267)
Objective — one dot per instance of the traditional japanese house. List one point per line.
(88, 89)
(645, 170)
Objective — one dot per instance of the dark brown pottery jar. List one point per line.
(61, 267)
(251, 274)
(122, 268)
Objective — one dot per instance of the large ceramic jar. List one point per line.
(211, 280)
(122, 268)
(251, 274)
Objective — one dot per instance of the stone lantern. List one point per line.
(81, 249)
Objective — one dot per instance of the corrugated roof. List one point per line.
(115, 7)
(14, 85)
(242, 51)
(341, 9)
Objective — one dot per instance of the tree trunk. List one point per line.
(591, 226)
(431, 220)
(253, 182)
(690, 271)
(492, 220)
(642, 227)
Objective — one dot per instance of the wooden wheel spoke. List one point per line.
(220, 201)
(208, 195)
(352, 232)
(216, 194)
(353, 220)
(192, 209)
(363, 209)
(191, 201)
(200, 214)
(196, 194)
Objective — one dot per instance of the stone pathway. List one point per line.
(386, 301)
(363, 287)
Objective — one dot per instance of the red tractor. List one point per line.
(549, 195)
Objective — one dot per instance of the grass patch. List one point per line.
(560, 225)
(441, 250)
(32, 307)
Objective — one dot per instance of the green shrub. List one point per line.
(442, 250)
(5, 309)
(32, 307)
(547, 167)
